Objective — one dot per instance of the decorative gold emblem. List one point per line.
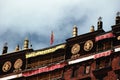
(88, 45)
(75, 49)
(18, 64)
(7, 66)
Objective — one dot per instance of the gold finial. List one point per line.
(26, 43)
(17, 48)
(92, 29)
(75, 31)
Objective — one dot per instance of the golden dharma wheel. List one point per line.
(18, 63)
(7, 66)
(75, 49)
(88, 45)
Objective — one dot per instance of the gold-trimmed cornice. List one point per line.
(46, 51)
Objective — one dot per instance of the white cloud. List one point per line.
(41, 16)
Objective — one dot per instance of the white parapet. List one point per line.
(117, 49)
(11, 77)
(81, 59)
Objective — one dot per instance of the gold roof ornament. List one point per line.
(75, 31)
(26, 43)
(92, 29)
(17, 48)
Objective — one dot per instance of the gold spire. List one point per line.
(17, 48)
(26, 43)
(75, 31)
(92, 29)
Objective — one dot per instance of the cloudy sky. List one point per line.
(36, 19)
